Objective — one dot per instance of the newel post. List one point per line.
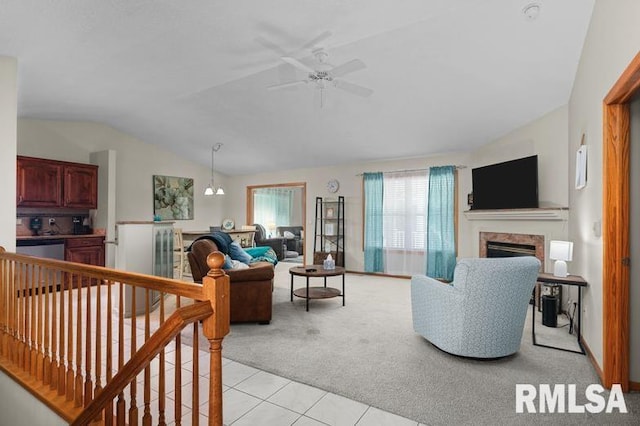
(216, 290)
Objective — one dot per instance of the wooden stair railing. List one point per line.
(63, 335)
(152, 347)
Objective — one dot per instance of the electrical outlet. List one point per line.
(52, 221)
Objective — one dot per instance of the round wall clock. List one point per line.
(227, 224)
(333, 185)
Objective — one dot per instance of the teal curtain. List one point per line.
(373, 198)
(441, 250)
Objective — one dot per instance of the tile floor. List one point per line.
(254, 397)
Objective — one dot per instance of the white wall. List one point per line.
(8, 117)
(350, 188)
(137, 162)
(546, 137)
(612, 41)
(105, 215)
(20, 408)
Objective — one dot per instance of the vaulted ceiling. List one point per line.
(446, 75)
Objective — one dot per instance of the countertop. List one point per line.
(56, 237)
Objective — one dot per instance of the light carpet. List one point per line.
(368, 351)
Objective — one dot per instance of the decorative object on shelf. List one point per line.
(581, 165)
(561, 252)
(211, 189)
(228, 224)
(172, 197)
(329, 213)
(333, 185)
(329, 263)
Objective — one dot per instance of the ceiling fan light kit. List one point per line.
(322, 72)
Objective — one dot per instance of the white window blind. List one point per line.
(405, 210)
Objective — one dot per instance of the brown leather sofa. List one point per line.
(251, 288)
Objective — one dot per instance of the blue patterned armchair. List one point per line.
(481, 313)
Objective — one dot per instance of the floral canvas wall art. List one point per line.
(172, 197)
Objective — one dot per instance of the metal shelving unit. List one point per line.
(329, 230)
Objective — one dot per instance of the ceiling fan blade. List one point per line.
(270, 45)
(347, 67)
(353, 88)
(323, 36)
(285, 85)
(296, 63)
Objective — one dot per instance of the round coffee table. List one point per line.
(310, 271)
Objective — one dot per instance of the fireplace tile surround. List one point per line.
(534, 240)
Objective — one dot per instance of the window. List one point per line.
(405, 210)
(397, 244)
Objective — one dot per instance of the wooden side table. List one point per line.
(574, 280)
(324, 292)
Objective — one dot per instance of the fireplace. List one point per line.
(497, 249)
(498, 244)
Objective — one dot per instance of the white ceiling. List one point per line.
(447, 75)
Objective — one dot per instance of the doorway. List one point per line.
(616, 206)
(281, 210)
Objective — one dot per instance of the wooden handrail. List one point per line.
(167, 285)
(152, 347)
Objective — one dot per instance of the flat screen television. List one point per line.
(508, 185)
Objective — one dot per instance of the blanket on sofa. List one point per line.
(258, 254)
(262, 254)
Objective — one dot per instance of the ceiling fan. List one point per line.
(321, 73)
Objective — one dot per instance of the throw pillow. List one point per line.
(239, 265)
(288, 234)
(228, 262)
(237, 253)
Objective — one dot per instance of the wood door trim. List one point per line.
(615, 198)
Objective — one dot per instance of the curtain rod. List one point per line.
(413, 170)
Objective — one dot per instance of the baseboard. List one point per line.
(633, 386)
(592, 358)
(379, 274)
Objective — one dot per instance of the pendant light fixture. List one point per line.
(211, 189)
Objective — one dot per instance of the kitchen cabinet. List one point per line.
(88, 250)
(39, 183)
(80, 186)
(49, 183)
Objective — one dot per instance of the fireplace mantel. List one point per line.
(551, 214)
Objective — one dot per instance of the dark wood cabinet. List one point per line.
(80, 186)
(87, 250)
(50, 183)
(39, 183)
